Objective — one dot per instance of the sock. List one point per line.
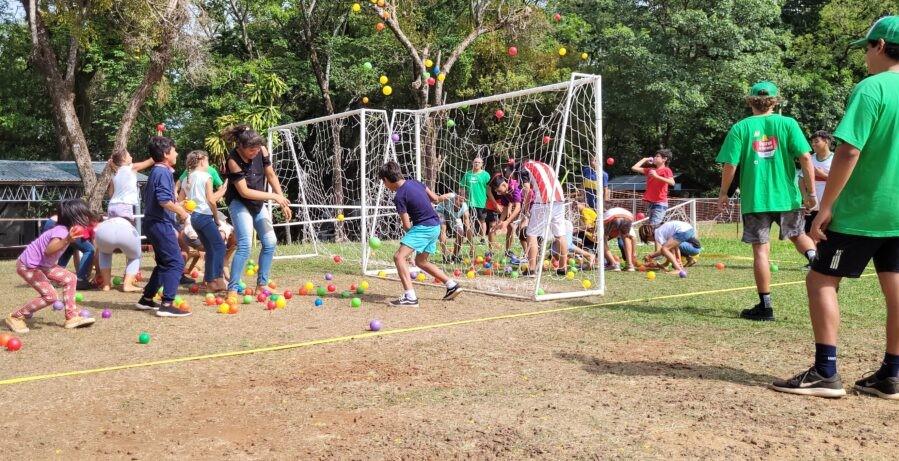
(811, 255)
(765, 299)
(410, 295)
(889, 368)
(451, 283)
(826, 360)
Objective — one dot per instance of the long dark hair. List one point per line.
(242, 136)
(74, 212)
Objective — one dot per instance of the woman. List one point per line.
(118, 233)
(249, 170)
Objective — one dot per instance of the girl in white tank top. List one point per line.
(123, 190)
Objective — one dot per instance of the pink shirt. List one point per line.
(33, 257)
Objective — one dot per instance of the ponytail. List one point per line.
(242, 136)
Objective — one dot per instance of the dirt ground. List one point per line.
(576, 384)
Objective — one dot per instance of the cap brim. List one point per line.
(860, 43)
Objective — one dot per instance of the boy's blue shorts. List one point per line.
(422, 239)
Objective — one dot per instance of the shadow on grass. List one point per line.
(677, 370)
(655, 309)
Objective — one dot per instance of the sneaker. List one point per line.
(809, 382)
(185, 280)
(79, 321)
(451, 293)
(403, 301)
(691, 261)
(631, 269)
(759, 313)
(17, 325)
(168, 310)
(515, 260)
(145, 304)
(83, 285)
(561, 271)
(886, 388)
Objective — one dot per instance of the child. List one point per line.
(544, 208)
(413, 203)
(204, 219)
(673, 238)
(118, 234)
(475, 182)
(159, 226)
(821, 161)
(658, 178)
(123, 189)
(37, 266)
(617, 224)
(859, 221)
(589, 258)
(454, 221)
(507, 194)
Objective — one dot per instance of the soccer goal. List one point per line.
(559, 125)
(328, 170)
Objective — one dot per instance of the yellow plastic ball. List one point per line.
(357, 7)
(364, 284)
(441, 76)
(340, 217)
(421, 277)
(383, 80)
(563, 51)
(650, 275)
(309, 286)
(470, 274)
(382, 274)
(365, 100)
(428, 63)
(224, 308)
(381, 3)
(250, 272)
(569, 275)
(586, 284)
(584, 56)
(387, 90)
(190, 205)
(281, 303)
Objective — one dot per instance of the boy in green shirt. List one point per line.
(765, 146)
(859, 220)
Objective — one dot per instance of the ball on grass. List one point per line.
(79, 297)
(106, 313)
(321, 291)
(374, 243)
(774, 267)
(13, 344)
(374, 325)
(356, 302)
(586, 284)
(650, 275)
(144, 338)
(329, 276)
(682, 274)
(719, 266)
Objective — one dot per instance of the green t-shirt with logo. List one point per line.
(765, 148)
(867, 206)
(216, 178)
(476, 185)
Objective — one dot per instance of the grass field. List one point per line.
(654, 369)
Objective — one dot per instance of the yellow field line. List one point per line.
(340, 339)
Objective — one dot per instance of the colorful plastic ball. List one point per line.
(367, 65)
(302, 291)
(250, 272)
(557, 17)
(210, 296)
(232, 309)
(365, 100)
(487, 265)
(219, 300)
(309, 286)
(395, 137)
(541, 292)
(338, 259)
(352, 287)
(682, 274)
(374, 242)
(450, 123)
(116, 281)
(318, 302)
(356, 302)
(261, 297)
(357, 8)
(387, 90)
(436, 69)
(719, 266)
(774, 267)
(586, 284)
(329, 276)
(515, 274)
(58, 305)
(106, 313)
(650, 275)
(569, 275)
(457, 273)
(547, 139)
(288, 294)
(470, 274)
(441, 77)
(379, 26)
(360, 291)
(345, 294)
(271, 305)
(584, 56)
(513, 51)
(421, 277)
(190, 205)
(431, 81)
(280, 303)
(382, 274)
(321, 291)
(610, 161)
(139, 277)
(85, 313)
(428, 63)
(79, 297)
(363, 284)
(374, 325)
(13, 344)
(194, 273)
(4, 338)
(247, 299)
(223, 308)
(272, 285)
(331, 288)
(144, 338)
(383, 80)
(563, 51)
(194, 288)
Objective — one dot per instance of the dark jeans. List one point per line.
(169, 264)
(213, 245)
(87, 258)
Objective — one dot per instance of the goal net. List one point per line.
(557, 125)
(328, 169)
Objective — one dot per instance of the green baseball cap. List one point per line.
(886, 28)
(766, 87)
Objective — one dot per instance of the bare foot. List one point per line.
(131, 288)
(105, 288)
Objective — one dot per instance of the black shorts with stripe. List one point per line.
(844, 255)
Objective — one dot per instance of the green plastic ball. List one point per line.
(345, 294)
(540, 292)
(367, 65)
(247, 299)
(116, 281)
(144, 338)
(774, 267)
(356, 302)
(321, 291)
(374, 242)
(450, 123)
(79, 297)
(360, 291)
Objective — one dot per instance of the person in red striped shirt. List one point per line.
(547, 208)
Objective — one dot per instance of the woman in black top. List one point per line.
(249, 170)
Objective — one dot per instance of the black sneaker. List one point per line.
(809, 382)
(758, 313)
(403, 301)
(169, 310)
(451, 293)
(886, 388)
(83, 285)
(561, 271)
(146, 305)
(185, 280)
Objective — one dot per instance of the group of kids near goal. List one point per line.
(856, 221)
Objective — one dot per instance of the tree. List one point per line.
(74, 22)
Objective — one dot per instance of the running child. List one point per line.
(414, 205)
(673, 238)
(205, 218)
(37, 265)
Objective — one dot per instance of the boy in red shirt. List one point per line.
(658, 178)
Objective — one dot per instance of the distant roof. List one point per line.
(27, 171)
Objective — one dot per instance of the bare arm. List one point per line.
(407, 223)
(181, 194)
(58, 244)
(727, 178)
(638, 167)
(177, 209)
(844, 161)
(210, 199)
(808, 178)
(143, 165)
(221, 191)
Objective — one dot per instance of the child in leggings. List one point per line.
(38, 267)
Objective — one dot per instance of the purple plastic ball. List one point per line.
(395, 137)
(58, 305)
(682, 274)
(374, 325)
(329, 276)
(85, 313)
(106, 313)
(29, 315)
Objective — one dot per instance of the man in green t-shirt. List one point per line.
(475, 182)
(765, 146)
(859, 220)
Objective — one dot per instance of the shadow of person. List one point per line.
(677, 370)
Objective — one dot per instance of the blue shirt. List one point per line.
(160, 188)
(412, 198)
(591, 188)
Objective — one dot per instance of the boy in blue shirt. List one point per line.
(160, 209)
(414, 205)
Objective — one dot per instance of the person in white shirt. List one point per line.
(204, 218)
(821, 142)
(123, 193)
(673, 238)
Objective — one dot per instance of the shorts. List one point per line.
(809, 219)
(656, 213)
(757, 226)
(688, 249)
(618, 227)
(453, 229)
(547, 214)
(422, 239)
(845, 255)
(684, 236)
